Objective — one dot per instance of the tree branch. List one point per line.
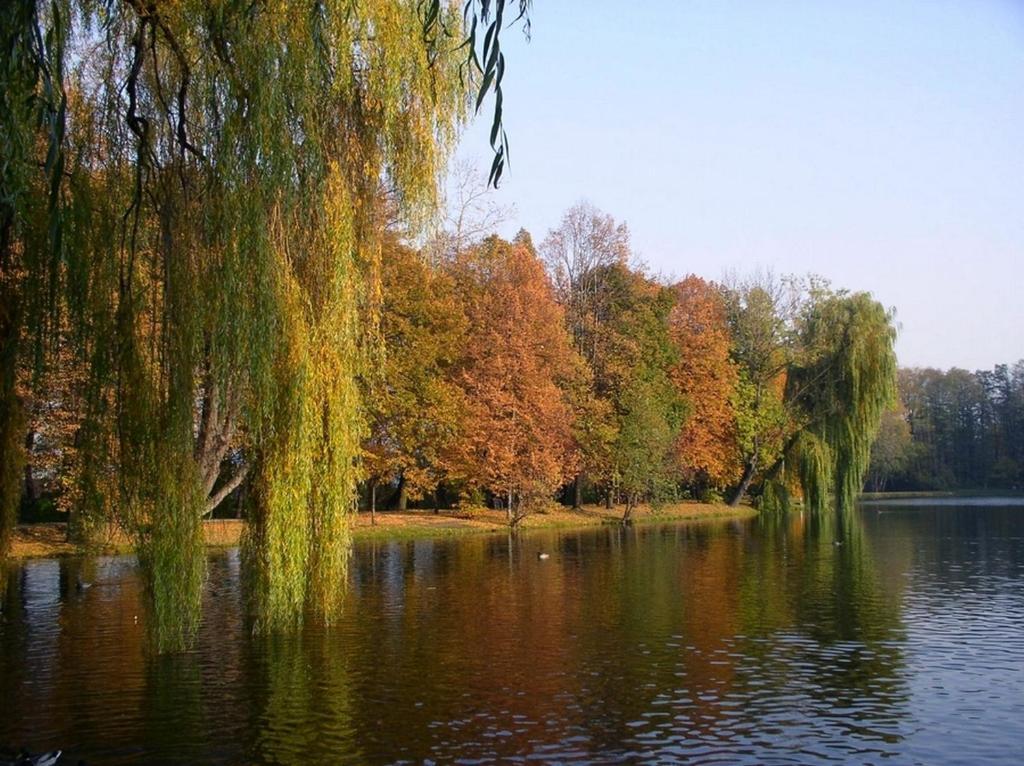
(230, 486)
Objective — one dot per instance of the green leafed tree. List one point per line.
(892, 450)
(817, 371)
(632, 373)
(841, 384)
(757, 311)
(967, 427)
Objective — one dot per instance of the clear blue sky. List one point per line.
(879, 144)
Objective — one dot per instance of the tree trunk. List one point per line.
(748, 476)
(217, 428)
(221, 494)
(608, 500)
(577, 493)
(627, 517)
(403, 495)
(701, 485)
(437, 500)
(373, 503)
(30, 485)
(508, 509)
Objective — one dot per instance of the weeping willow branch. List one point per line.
(208, 227)
(839, 393)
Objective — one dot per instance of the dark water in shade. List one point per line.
(724, 643)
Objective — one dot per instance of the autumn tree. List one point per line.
(706, 377)
(415, 408)
(578, 255)
(518, 361)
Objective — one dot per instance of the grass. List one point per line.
(50, 539)
(424, 524)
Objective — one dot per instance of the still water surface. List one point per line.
(732, 642)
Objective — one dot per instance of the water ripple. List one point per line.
(736, 644)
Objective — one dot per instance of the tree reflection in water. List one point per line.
(743, 639)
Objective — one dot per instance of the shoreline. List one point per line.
(939, 494)
(48, 539)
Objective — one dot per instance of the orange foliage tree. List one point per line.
(706, 377)
(517, 367)
(413, 404)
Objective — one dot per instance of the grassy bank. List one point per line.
(50, 539)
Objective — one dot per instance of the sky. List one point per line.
(877, 144)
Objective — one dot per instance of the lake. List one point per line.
(724, 642)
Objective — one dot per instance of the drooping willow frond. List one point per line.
(845, 382)
(194, 189)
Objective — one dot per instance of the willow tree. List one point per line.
(30, 116)
(840, 384)
(192, 187)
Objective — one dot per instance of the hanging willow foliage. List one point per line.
(206, 224)
(31, 115)
(843, 380)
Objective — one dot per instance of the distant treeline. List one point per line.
(954, 429)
